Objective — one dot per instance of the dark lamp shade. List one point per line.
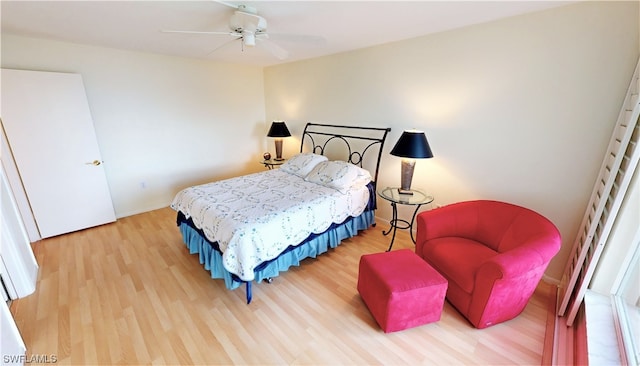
(278, 129)
(412, 144)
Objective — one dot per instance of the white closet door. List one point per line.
(18, 266)
(48, 124)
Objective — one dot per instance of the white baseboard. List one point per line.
(142, 210)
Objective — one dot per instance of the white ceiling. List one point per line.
(342, 25)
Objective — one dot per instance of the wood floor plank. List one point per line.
(130, 293)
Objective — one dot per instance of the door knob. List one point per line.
(95, 162)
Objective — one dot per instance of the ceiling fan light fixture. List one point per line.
(248, 38)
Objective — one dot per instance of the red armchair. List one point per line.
(492, 253)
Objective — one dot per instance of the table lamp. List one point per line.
(411, 145)
(278, 130)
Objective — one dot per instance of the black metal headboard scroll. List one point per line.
(348, 143)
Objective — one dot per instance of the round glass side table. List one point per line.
(417, 199)
(272, 163)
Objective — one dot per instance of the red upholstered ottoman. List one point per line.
(400, 289)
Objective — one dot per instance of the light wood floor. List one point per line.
(130, 293)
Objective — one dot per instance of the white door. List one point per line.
(47, 121)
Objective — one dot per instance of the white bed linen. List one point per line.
(255, 217)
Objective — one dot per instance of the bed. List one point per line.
(251, 228)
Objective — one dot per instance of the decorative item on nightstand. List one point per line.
(278, 130)
(266, 156)
(411, 145)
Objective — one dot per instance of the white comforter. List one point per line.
(255, 217)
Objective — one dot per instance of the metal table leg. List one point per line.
(395, 223)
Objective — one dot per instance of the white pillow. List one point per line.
(302, 164)
(362, 178)
(338, 175)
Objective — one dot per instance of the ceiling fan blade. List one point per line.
(276, 50)
(222, 45)
(203, 32)
(300, 38)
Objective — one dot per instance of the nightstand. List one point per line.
(272, 163)
(417, 199)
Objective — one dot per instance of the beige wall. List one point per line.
(519, 109)
(162, 122)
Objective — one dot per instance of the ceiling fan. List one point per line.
(247, 27)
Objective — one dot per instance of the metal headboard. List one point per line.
(357, 141)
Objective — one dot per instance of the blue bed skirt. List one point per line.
(211, 258)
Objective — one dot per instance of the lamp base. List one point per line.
(406, 175)
(278, 143)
